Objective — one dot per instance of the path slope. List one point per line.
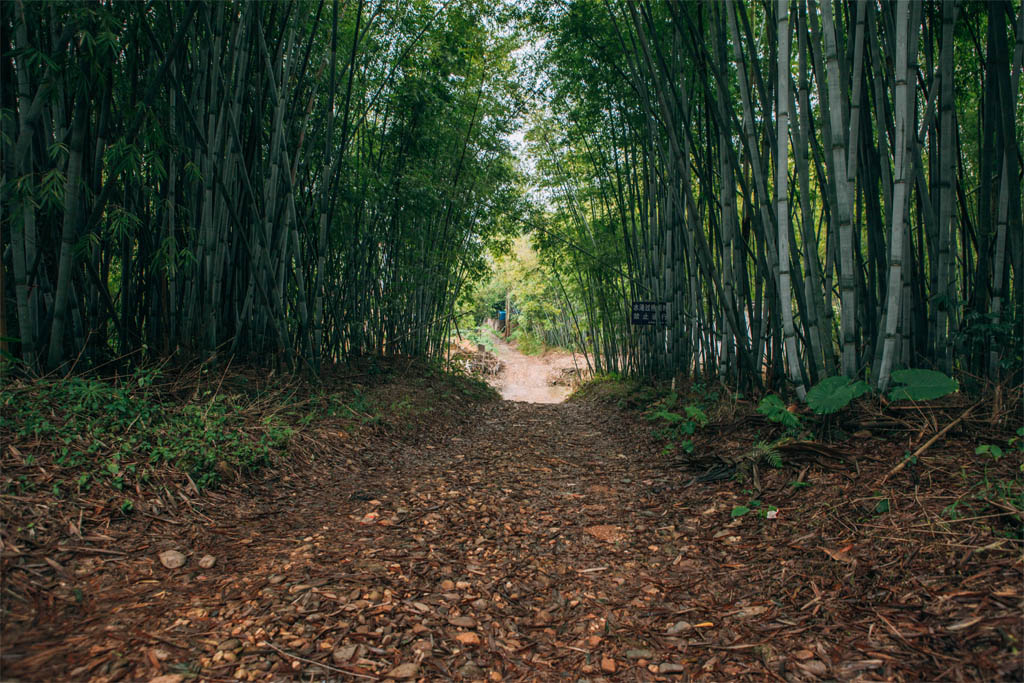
(533, 542)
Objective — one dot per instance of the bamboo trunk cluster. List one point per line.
(842, 210)
(287, 182)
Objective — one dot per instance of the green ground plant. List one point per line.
(772, 407)
(112, 433)
(753, 506)
(997, 490)
(89, 432)
(673, 426)
(528, 342)
(483, 335)
(833, 394)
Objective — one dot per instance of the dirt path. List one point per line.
(527, 542)
(527, 378)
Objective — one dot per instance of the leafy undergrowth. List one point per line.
(527, 343)
(90, 432)
(105, 444)
(920, 537)
(718, 434)
(621, 392)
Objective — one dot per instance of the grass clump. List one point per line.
(613, 388)
(529, 344)
(115, 432)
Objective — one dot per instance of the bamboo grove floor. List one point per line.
(514, 541)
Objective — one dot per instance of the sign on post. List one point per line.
(650, 313)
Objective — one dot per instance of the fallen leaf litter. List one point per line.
(510, 542)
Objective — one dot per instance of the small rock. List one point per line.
(752, 611)
(464, 622)
(168, 678)
(670, 668)
(639, 654)
(679, 627)
(207, 561)
(230, 645)
(471, 671)
(404, 671)
(343, 654)
(468, 638)
(815, 666)
(172, 559)
(849, 669)
(608, 665)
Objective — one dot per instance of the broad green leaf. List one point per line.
(832, 394)
(774, 409)
(770, 405)
(921, 385)
(989, 449)
(740, 510)
(697, 415)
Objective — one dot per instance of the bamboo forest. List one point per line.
(511, 340)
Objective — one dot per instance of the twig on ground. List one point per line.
(927, 444)
(315, 663)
